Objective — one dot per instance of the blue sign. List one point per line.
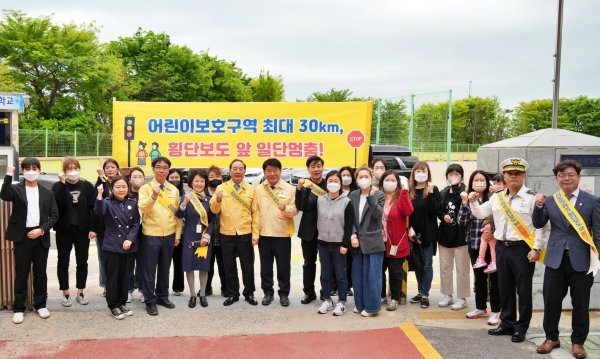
(587, 161)
(11, 103)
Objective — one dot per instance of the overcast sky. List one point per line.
(378, 48)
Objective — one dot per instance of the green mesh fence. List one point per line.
(46, 143)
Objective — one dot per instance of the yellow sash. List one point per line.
(316, 190)
(167, 202)
(239, 200)
(574, 218)
(273, 197)
(195, 200)
(516, 223)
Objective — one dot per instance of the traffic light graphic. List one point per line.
(129, 128)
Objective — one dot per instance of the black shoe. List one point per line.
(517, 337)
(209, 292)
(151, 309)
(334, 293)
(192, 302)
(285, 301)
(250, 299)
(230, 300)
(166, 303)
(203, 301)
(350, 293)
(501, 331)
(416, 299)
(308, 298)
(424, 302)
(268, 299)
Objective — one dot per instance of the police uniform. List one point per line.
(515, 272)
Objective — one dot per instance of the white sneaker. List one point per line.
(494, 318)
(476, 313)
(340, 309)
(326, 306)
(364, 313)
(355, 310)
(43, 313)
(460, 303)
(142, 299)
(18, 318)
(446, 301)
(129, 297)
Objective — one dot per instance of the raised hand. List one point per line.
(540, 199)
(473, 196)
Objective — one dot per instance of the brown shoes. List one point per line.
(547, 346)
(579, 351)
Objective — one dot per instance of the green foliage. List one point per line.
(333, 95)
(267, 88)
(478, 120)
(581, 114)
(60, 67)
(393, 127)
(7, 81)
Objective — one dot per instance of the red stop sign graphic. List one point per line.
(355, 138)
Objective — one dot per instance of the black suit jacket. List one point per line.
(85, 208)
(16, 194)
(306, 202)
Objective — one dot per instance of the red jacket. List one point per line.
(396, 225)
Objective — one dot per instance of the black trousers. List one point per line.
(178, 285)
(154, 267)
(482, 280)
(233, 246)
(28, 252)
(394, 266)
(118, 267)
(515, 275)
(556, 283)
(280, 250)
(309, 268)
(65, 241)
(217, 254)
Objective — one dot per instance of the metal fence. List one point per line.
(48, 143)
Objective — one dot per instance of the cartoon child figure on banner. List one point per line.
(141, 154)
(154, 153)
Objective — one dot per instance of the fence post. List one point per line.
(449, 129)
(412, 122)
(378, 120)
(75, 143)
(46, 144)
(97, 144)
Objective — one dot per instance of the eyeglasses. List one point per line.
(566, 175)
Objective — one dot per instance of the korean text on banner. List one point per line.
(203, 134)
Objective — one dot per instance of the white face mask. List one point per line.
(364, 183)
(346, 180)
(73, 175)
(421, 177)
(390, 186)
(479, 186)
(137, 182)
(378, 173)
(454, 180)
(31, 175)
(333, 187)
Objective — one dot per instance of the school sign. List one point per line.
(203, 134)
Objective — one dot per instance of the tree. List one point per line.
(393, 128)
(267, 88)
(430, 124)
(62, 67)
(333, 95)
(7, 81)
(158, 70)
(478, 120)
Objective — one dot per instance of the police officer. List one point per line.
(518, 247)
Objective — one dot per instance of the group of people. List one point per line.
(359, 223)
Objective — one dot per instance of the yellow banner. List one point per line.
(203, 134)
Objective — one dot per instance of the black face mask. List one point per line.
(175, 183)
(215, 182)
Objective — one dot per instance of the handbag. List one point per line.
(416, 257)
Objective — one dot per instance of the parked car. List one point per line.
(397, 158)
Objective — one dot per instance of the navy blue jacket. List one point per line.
(122, 223)
(562, 233)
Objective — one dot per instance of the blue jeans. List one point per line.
(366, 278)
(330, 256)
(99, 241)
(424, 278)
